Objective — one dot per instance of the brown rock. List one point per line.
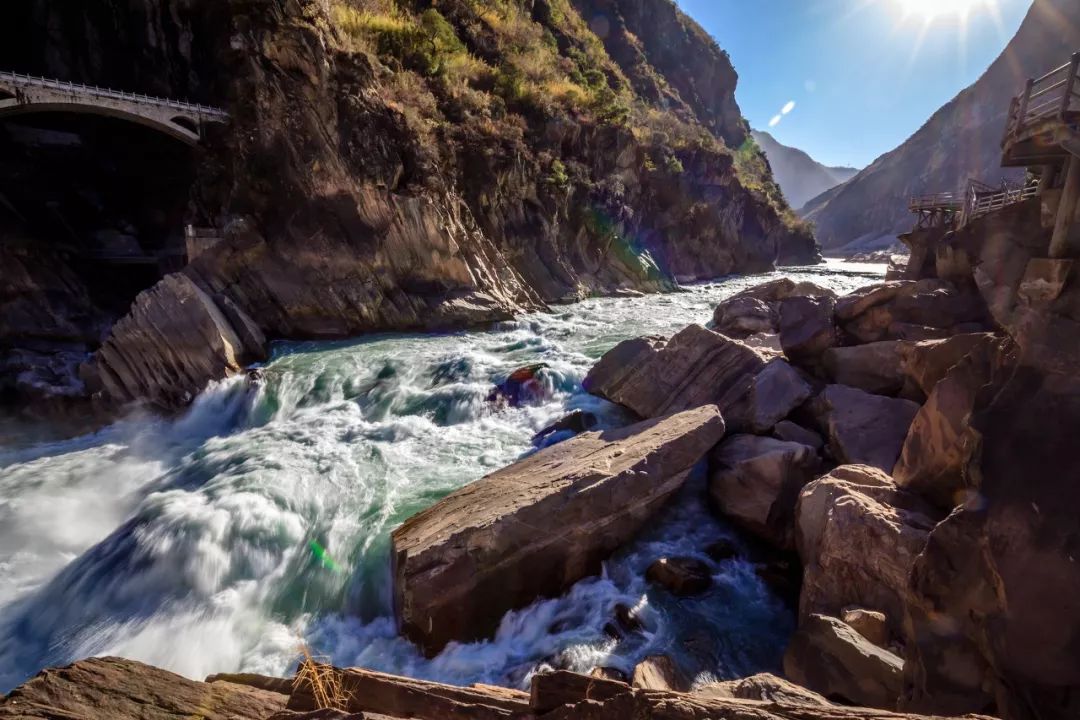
(757, 310)
(775, 392)
(355, 690)
(722, 550)
(871, 624)
(829, 657)
(940, 442)
(756, 481)
(659, 672)
(653, 377)
(925, 363)
(536, 527)
(763, 686)
(858, 536)
(910, 310)
(807, 329)
(681, 576)
(609, 673)
(874, 367)
(862, 428)
(174, 340)
(120, 689)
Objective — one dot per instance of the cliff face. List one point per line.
(799, 176)
(960, 141)
(395, 165)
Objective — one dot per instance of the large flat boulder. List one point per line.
(532, 529)
(763, 686)
(120, 689)
(756, 482)
(858, 536)
(831, 658)
(653, 377)
(862, 428)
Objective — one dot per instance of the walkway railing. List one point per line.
(945, 201)
(20, 80)
(1054, 95)
(984, 202)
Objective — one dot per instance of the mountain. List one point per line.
(960, 141)
(387, 166)
(799, 176)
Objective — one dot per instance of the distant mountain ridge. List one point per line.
(960, 141)
(801, 177)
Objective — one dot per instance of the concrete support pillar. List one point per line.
(1067, 217)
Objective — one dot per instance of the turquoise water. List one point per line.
(257, 525)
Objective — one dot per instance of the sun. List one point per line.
(931, 9)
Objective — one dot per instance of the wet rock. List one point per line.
(862, 428)
(652, 377)
(521, 387)
(763, 686)
(792, 432)
(127, 690)
(659, 672)
(173, 341)
(576, 422)
(874, 367)
(807, 329)
(756, 482)
(627, 619)
(682, 576)
(489, 547)
(722, 550)
(858, 536)
(829, 657)
(871, 624)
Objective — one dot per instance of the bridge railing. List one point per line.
(1054, 95)
(943, 201)
(78, 88)
(985, 201)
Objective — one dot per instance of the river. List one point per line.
(256, 526)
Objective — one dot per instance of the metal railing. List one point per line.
(1054, 95)
(944, 201)
(202, 111)
(984, 202)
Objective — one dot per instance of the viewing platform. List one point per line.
(1043, 127)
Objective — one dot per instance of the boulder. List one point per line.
(807, 329)
(792, 432)
(940, 442)
(910, 310)
(871, 624)
(721, 550)
(923, 364)
(763, 686)
(659, 672)
(863, 428)
(756, 310)
(756, 482)
(775, 392)
(609, 673)
(874, 367)
(173, 341)
(858, 536)
(653, 377)
(829, 657)
(120, 689)
(532, 529)
(682, 576)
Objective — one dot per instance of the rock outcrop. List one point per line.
(126, 690)
(756, 482)
(911, 310)
(536, 527)
(831, 658)
(763, 686)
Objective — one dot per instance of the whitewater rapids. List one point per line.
(257, 525)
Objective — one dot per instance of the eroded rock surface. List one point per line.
(863, 428)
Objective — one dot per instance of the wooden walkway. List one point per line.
(1043, 126)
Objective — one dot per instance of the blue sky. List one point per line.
(861, 79)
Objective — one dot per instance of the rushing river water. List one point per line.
(257, 524)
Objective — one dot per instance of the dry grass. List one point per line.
(323, 681)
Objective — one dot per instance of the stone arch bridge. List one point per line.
(21, 94)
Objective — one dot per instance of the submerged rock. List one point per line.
(534, 528)
(682, 576)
